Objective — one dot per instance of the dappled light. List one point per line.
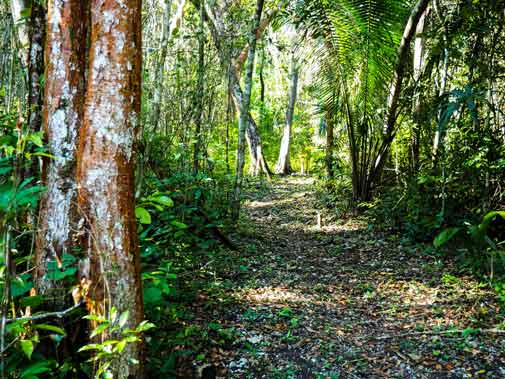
(225, 189)
(341, 297)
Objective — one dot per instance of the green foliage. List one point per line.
(482, 251)
(110, 349)
(184, 210)
(17, 148)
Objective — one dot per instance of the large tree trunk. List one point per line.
(283, 166)
(106, 165)
(244, 112)
(62, 117)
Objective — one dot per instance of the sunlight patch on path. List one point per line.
(274, 295)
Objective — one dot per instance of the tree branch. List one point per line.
(41, 316)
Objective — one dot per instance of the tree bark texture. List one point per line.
(36, 65)
(62, 119)
(106, 166)
(18, 7)
(283, 166)
(244, 111)
(160, 64)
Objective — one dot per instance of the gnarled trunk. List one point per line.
(244, 112)
(106, 165)
(258, 163)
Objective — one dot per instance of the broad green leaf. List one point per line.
(32, 371)
(91, 346)
(179, 224)
(51, 328)
(120, 346)
(445, 236)
(20, 286)
(144, 325)
(143, 215)
(27, 347)
(487, 219)
(95, 318)
(123, 318)
(163, 200)
(99, 329)
(36, 138)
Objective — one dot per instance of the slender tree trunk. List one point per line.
(36, 65)
(262, 78)
(200, 91)
(419, 52)
(330, 143)
(106, 166)
(244, 112)
(283, 166)
(18, 10)
(229, 110)
(160, 64)
(35, 74)
(257, 162)
(444, 73)
(62, 118)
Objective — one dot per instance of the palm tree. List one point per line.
(362, 49)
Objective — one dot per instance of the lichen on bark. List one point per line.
(61, 121)
(105, 169)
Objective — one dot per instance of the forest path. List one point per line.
(342, 301)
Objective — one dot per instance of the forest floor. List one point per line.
(342, 301)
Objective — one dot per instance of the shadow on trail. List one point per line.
(340, 301)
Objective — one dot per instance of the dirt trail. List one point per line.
(342, 301)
